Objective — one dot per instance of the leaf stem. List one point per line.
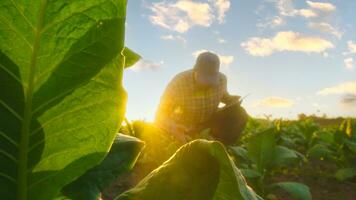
(22, 193)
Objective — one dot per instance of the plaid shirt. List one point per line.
(187, 104)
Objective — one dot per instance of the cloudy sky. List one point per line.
(288, 56)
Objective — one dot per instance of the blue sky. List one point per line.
(290, 56)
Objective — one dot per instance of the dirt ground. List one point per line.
(322, 188)
(126, 181)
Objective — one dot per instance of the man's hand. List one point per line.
(232, 99)
(177, 130)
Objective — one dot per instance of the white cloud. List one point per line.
(315, 9)
(352, 46)
(198, 13)
(326, 28)
(319, 106)
(325, 7)
(146, 65)
(222, 6)
(277, 102)
(277, 21)
(307, 13)
(259, 46)
(286, 8)
(349, 63)
(168, 37)
(342, 88)
(272, 22)
(174, 38)
(225, 60)
(182, 15)
(286, 41)
(221, 40)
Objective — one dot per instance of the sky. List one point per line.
(285, 57)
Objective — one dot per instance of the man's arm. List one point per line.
(164, 113)
(227, 98)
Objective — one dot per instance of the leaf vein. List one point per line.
(13, 112)
(21, 13)
(8, 177)
(53, 174)
(9, 139)
(5, 22)
(49, 121)
(70, 16)
(59, 133)
(66, 59)
(52, 99)
(11, 74)
(8, 155)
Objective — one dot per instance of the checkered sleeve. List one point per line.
(225, 96)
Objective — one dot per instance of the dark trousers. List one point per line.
(227, 124)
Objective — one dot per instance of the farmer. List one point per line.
(191, 101)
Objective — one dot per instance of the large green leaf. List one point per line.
(250, 173)
(121, 158)
(345, 173)
(298, 191)
(239, 153)
(198, 170)
(61, 98)
(351, 145)
(284, 156)
(321, 151)
(261, 149)
(326, 136)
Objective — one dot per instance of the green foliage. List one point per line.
(296, 190)
(284, 156)
(263, 155)
(240, 152)
(250, 173)
(130, 57)
(159, 145)
(198, 170)
(346, 173)
(321, 151)
(336, 145)
(61, 103)
(261, 149)
(121, 158)
(266, 151)
(61, 98)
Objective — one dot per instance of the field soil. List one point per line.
(126, 181)
(322, 188)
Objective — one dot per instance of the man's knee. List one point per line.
(229, 123)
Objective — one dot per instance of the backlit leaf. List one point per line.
(198, 170)
(61, 98)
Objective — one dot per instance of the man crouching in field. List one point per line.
(191, 101)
